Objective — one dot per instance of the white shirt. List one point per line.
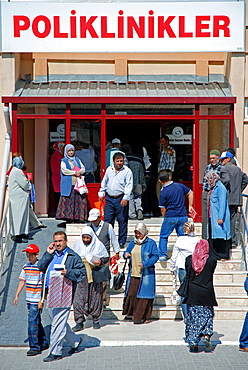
(116, 183)
(184, 247)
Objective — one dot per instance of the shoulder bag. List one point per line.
(119, 278)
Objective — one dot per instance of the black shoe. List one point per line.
(75, 349)
(78, 327)
(33, 352)
(45, 347)
(42, 226)
(52, 357)
(138, 322)
(16, 238)
(96, 325)
(122, 245)
(193, 348)
(128, 318)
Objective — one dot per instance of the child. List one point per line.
(33, 278)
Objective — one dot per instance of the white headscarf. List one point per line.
(95, 248)
(141, 227)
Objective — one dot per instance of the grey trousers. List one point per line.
(204, 214)
(33, 220)
(61, 330)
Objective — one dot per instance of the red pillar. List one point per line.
(195, 175)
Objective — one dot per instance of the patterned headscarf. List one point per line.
(189, 228)
(141, 227)
(212, 177)
(73, 158)
(59, 146)
(18, 162)
(200, 255)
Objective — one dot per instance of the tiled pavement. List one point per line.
(130, 358)
(117, 345)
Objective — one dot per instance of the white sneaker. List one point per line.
(140, 215)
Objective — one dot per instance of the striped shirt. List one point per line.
(33, 278)
(167, 161)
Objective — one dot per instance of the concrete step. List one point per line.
(164, 299)
(219, 276)
(174, 313)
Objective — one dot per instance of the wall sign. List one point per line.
(122, 27)
(178, 137)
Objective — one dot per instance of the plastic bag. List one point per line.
(100, 205)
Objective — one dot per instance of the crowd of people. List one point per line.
(78, 276)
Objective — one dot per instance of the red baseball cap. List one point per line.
(32, 248)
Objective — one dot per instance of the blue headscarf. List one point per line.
(71, 159)
(18, 162)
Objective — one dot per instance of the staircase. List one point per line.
(228, 280)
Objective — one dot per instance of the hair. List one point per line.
(165, 137)
(16, 154)
(164, 176)
(118, 155)
(60, 233)
(231, 150)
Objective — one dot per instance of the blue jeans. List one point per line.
(243, 339)
(36, 335)
(181, 274)
(112, 210)
(168, 225)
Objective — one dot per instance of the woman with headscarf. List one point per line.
(140, 284)
(184, 247)
(88, 298)
(201, 297)
(55, 168)
(72, 205)
(19, 190)
(218, 230)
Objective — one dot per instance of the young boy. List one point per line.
(33, 278)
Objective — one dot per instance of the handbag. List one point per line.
(119, 278)
(100, 274)
(183, 290)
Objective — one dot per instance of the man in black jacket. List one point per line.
(59, 260)
(238, 181)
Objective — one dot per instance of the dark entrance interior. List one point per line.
(146, 133)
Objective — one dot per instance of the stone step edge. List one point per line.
(167, 295)
(174, 308)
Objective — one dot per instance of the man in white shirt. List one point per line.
(117, 185)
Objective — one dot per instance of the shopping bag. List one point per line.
(80, 186)
(100, 205)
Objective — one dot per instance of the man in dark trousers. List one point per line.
(105, 233)
(238, 181)
(117, 185)
(171, 204)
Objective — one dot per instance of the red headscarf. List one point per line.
(200, 256)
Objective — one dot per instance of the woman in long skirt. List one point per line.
(201, 297)
(72, 205)
(88, 299)
(140, 286)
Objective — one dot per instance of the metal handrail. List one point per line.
(243, 228)
(4, 233)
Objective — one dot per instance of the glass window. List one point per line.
(215, 109)
(86, 137)
(214, 134)
(41, 108)
(149, 109)
(85, 108)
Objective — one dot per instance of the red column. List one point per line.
(68, 125)
(232, 127)
(15, 144)
(103, 141)
(195, 175)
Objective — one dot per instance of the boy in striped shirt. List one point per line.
(33, 278)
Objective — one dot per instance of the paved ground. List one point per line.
(117, 345)
(130, 358)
